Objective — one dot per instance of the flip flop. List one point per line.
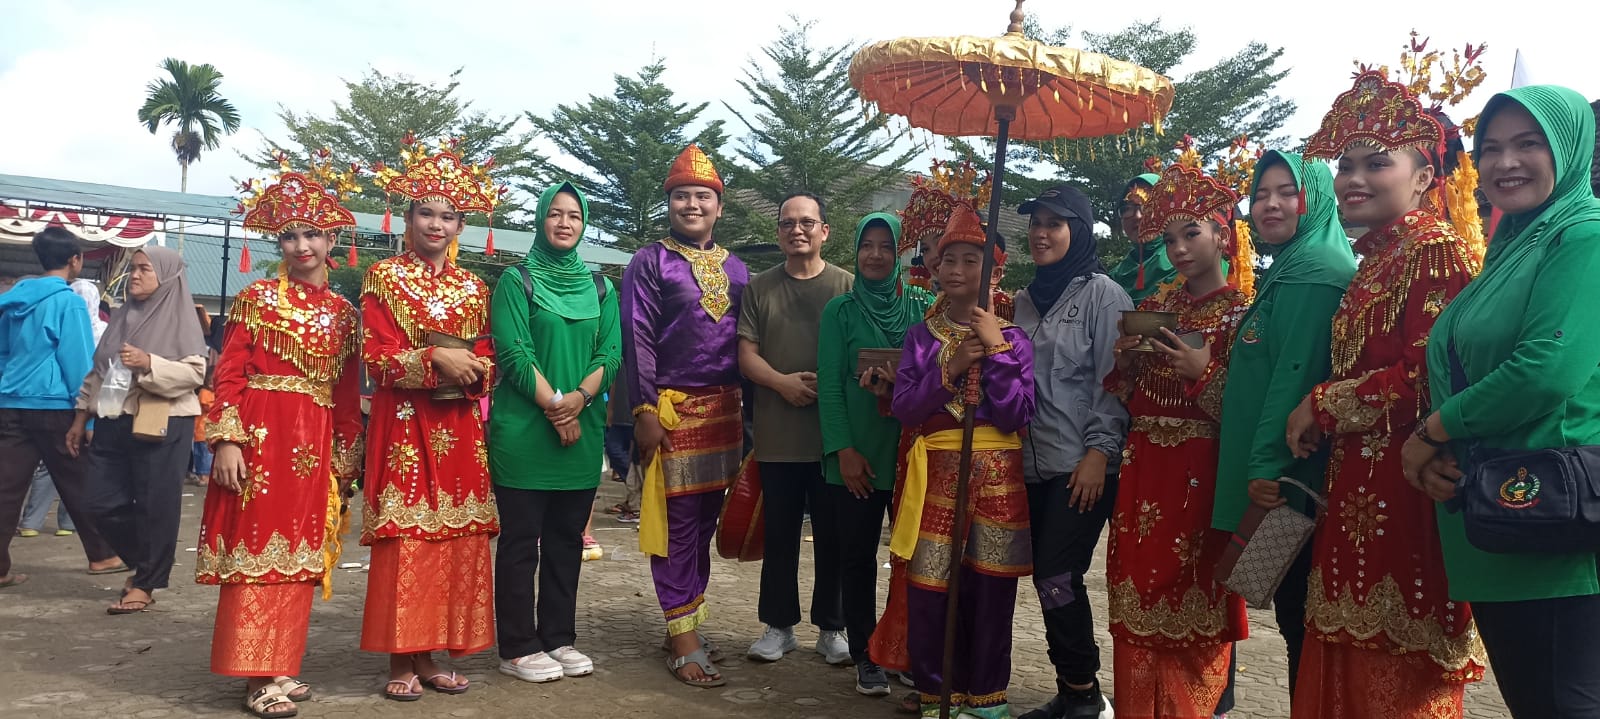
(406, 696)
(433, 683)
(143, 607)
(712, 652)
(713, 678)
(14, 580)
(120, 568)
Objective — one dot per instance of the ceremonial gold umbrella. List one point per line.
(1002, 87)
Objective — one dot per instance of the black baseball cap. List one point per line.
(1064, 200)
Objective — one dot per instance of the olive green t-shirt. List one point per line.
(782, 315)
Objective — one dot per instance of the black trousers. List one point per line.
(538, 524)
(136, 494)
(1545, 654)
(27, 436)
(1289, 606)
(787, 488)
(1064, 541)
(860, 535)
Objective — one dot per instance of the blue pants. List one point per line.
(41, 492)
(200, 459)
(619, 447)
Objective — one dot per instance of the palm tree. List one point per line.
(189, 99)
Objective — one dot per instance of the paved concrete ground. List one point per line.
(61, 655)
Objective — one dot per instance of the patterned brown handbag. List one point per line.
(1264, 546)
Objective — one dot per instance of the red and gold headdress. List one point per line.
(1186, 193)
(292, 200)
(441, 177)
(693, 168)
(1392, 116)
(934, 198)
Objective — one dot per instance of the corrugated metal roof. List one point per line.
(219, 208)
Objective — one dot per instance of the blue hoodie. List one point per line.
(46, 346)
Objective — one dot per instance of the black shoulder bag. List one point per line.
(1542, 501)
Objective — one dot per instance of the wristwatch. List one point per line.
(588, 399)
(1422, 434)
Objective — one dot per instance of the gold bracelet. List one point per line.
(997, 349)
(645, 409)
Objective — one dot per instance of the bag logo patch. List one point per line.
(1521, 491)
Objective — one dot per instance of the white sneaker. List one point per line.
(833, 647)
(772, 645)
(537, 668)
(573, 662)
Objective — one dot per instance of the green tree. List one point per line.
(626, 142)
(188, 97)
(368, 125)
(1214, 105)
(807, 133)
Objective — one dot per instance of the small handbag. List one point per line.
(151, 420)
(1264, 546)
(742, 528)
(1541, 501)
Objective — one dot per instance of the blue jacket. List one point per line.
(46, 346)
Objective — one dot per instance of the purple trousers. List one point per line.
(983, 640)
(681, 576)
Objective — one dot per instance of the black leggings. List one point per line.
(1545, 654)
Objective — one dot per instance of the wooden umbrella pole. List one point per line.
(972, 394)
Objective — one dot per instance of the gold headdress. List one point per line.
(1391, 115)
(1185, 192)
(934, 198)
(291, 200)
(441, 177)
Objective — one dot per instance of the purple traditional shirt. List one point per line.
(920, 391)
(680, 318)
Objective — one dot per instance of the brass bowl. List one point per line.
(440, 339)
(1147, 325)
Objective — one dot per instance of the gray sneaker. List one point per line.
(776, 642)
(833, 647)
(871, 680)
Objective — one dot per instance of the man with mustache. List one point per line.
(680, 303)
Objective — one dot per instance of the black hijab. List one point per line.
(1051, 281)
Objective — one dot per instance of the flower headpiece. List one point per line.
(441, 177)
(933, 199)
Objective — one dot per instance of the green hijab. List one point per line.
(561, 282)
(1568, 124)
(1151, 255)
(1319, 253)
(889, 305)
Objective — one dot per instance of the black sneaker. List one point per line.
(871, 680)
(1084, 704)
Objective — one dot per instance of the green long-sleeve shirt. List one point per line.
(524, 450)
(849, 414)
(1280, 354)
(1530, 347)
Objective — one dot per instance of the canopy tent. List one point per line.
(111, 218)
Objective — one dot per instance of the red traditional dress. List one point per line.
(1384, 638)
(288, 392)
(428, 509)
(1172, 624)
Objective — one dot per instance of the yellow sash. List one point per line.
(908, 519)
(653, 503)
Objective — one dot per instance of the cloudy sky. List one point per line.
(72, 72)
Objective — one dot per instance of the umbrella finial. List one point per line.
(1017, 17)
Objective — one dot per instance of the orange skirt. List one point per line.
(427, 596)
(1169, 683)
(1339, 681)
(261, 629)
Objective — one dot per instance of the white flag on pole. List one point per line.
(1520, 76)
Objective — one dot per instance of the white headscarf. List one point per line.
(90, 292)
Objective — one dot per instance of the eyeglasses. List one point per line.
(1131, 210)
(807, 225)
